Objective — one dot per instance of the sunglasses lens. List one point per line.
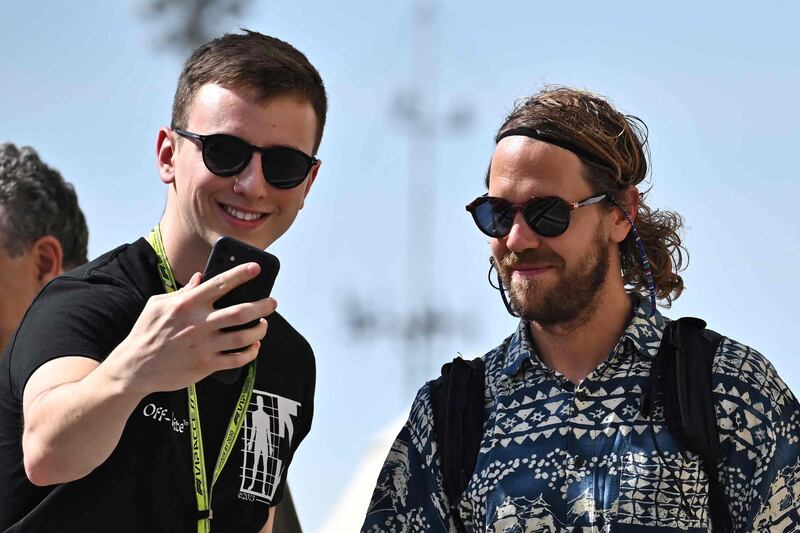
(225, 155)
(494, 217)
(285, 168)
(549, 217)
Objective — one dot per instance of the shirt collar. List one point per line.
(520, 349)
(643, 333)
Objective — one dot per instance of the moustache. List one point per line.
(531, 257)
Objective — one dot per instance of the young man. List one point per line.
(567, 444)
(126, 427)
(42, 231)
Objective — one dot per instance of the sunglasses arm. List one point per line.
(588, 201)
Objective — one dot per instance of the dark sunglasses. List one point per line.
(546, 215)
(226, 155)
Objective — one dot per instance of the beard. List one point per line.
(569, 301)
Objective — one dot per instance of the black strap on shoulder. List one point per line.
(681, 375)
(457, 400)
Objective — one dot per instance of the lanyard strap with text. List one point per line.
(201, 489)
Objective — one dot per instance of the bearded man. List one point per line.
(567, 442)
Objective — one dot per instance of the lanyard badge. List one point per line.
(201, 488)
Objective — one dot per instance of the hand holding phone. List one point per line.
(226, 254)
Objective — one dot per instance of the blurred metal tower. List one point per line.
(416, 111)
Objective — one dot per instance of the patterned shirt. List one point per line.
(562, 457)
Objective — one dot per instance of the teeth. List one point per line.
(241, 215)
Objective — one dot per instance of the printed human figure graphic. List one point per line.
(270, 423)
(259, 437)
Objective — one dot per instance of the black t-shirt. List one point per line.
(147, 483)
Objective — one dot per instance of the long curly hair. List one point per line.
(618, 147)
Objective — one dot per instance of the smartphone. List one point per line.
(226, 254)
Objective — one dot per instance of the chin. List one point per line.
(256, 241)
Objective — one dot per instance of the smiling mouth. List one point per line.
(530, 271)
(241, 215)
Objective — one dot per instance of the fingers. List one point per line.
(194, 281)
(196, 337)
(233, 340)
(216, 287)
(237, 359)
(241, 313)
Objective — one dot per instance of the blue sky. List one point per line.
(716, 84)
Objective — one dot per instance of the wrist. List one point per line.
(117, 378)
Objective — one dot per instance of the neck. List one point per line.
(576, 348)
(186, 254)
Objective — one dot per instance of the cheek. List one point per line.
(8, 293)
(289, 201)
(203, 185)
(19, 286)
(191, 172)
(582, 234)
(580, 245)
(498, 247)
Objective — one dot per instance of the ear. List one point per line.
(48, 256)
(620, 227)
(165, 153)
(310, 181)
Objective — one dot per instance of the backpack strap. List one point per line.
(681, 374)
(457, 401)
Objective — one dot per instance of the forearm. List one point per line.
(71, 429)
(270, 521)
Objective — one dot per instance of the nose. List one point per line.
(522, 237)
(250, 182)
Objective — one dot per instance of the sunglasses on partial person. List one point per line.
(225, 155)
(548, 216)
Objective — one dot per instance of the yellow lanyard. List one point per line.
(201, 490)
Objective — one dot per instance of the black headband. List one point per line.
(543, 136)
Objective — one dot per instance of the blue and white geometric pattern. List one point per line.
(561, 457)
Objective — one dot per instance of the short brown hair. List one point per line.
(616, 158)
(263, 65)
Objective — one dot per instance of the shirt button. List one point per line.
(579, 462)
(581, 395)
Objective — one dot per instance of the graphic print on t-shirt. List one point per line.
(267, 430)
